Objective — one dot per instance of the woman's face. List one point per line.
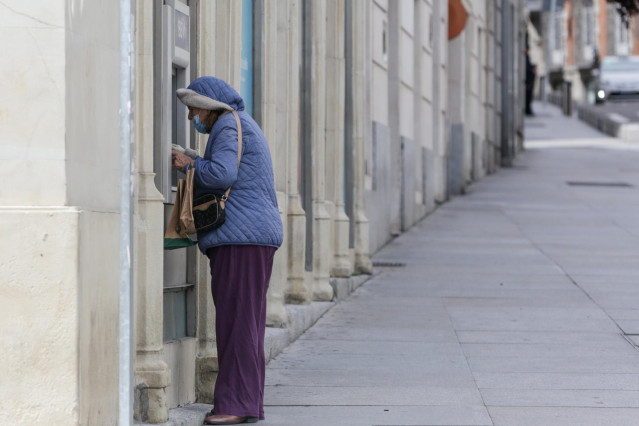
(206, 116)
(203, 113)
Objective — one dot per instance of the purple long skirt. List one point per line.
(240, 278)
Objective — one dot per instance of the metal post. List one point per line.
(567, 97)
(507, 80)
(125, 401)
(550, 45)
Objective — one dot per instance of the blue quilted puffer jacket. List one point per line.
(252, 215)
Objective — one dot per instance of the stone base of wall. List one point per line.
(60, 264)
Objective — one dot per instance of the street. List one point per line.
(516, 304)
(625, 108)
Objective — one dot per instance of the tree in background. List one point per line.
(626, 9)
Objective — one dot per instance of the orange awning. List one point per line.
(456, 18)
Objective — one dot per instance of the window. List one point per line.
(621, 36)
(588, 21)
(622, 31)
(385, 41)
(587, 35)
(430, 30)
(246, 66)
(559, 31)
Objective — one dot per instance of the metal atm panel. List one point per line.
(174, 127)
(173, 41)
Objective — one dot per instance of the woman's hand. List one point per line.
(179, 160)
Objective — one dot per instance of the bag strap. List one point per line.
(239, 151)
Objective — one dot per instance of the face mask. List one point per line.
(199, 126)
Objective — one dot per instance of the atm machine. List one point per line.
(174, 35)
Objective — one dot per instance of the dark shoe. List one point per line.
(225, 419)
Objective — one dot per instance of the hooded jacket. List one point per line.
(252, 214)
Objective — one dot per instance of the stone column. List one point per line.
(297, 291)
(437, 186)
(456, 183)
(360, 19)
(206, 363)
(273, 122)
(395, 204)
(152, 376)
(225, 38)
(335, 92)
(422, 102)
(489, 87)
(321, 218)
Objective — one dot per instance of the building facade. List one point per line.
(373, 117)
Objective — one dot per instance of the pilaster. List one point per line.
(335, 105)
(322, 290)
(297, 291)
(224, 60)
(360, 18)
(273, 120)
(206, 362)
(213, 59)
(152, 375)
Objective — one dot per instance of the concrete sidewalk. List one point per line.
(518, 304)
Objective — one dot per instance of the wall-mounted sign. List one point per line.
(181, 30)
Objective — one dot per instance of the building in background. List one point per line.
(584, 32)
(373, 117)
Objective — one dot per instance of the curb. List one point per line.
(609, 123)
(301, 318)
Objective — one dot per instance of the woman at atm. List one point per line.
(241, 250)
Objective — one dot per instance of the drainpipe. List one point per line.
(125, 382)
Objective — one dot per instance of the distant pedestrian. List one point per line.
(241, 250)
(531, 74)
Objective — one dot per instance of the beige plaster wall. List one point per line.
(32, 84)
(39, 316)
(97, 318)
(92, 104)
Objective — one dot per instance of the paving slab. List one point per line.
(541, 337)
(423, 362)
(425, 395)
(563, 416)
(592, 347)
(560, 398)
(409, 378)
(547, 363)
(367, 415)
(558, 381)
(363, 347)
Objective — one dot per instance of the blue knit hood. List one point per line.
(218, 90)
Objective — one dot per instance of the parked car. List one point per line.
(618, 78)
